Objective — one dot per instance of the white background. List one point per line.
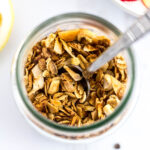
(16, 133)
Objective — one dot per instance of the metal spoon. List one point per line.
(136, 31)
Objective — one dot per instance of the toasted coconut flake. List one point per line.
(38, 82)
(83, 59)
(73, 61)
(52, 108)
(58, 47)
(56, 103)
(118, 87)
(107, 82)
(102, 41)
(45, 53)
(78, 48)
(82, 100)
(108, 109)
(68, 86)
(86, 34)
(49, 40)
(30, 82)
(74, 119)
(91, 58)
(94, 115)
(77, 93)
(51, 116)
(79, 124)
(113, 101)
(46, 74)
(75, 76)
(31, 66)
(105, 67)
(99, 110)
(40, 97)
(70, 94)
(61, 62)
(90, 121)
(64, 111)
(54, 56)
(26, 80)
(66, 76)
(67, 48)
(80, 89)
(42, 64)
(70, 110)
(89, 48)
(81, 112)
(120, 62)
(83, 62)
(63, 97)
(54, 86)
(69, 35)
(58, 95)
(51, 66)
(99, 75)
(64, 122)
(89, 108)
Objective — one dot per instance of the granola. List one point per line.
(57, 91)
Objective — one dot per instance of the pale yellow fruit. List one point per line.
(146, 3)
(6, 21)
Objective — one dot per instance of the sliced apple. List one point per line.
(6, 21)
(146, 3)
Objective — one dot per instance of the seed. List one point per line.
(117, 146)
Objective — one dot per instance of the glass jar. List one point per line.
(52, 129)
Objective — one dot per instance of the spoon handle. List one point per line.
(136, 31)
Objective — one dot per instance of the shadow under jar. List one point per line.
(48, 127)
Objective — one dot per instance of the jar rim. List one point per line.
(53, 124)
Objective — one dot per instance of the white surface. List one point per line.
(135, 8)
(16, 133)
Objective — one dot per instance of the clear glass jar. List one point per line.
(52, 129)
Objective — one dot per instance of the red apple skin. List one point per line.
(128, 0)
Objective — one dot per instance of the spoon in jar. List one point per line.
(133, 33)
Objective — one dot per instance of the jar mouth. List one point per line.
(29, 105)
